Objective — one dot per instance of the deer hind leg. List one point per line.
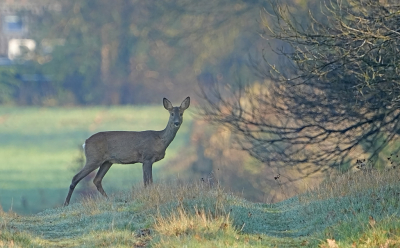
(89, 167)
(99, 177)
(147, 173)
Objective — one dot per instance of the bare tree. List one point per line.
(336, 91)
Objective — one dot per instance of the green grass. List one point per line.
(177, 214)
(39, 148)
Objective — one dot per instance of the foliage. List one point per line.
(332, 98)
(8, 76)
(124, 51)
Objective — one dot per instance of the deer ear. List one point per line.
(167, 104)
(185, 104)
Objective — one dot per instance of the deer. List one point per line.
(104, 149)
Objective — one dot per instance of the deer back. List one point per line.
(125, 147)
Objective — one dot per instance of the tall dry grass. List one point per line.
(161, 197)
(352, 182)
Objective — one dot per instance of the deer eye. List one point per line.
(180, 114)
(172, 114)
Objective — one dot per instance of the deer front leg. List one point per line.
(147, 173)
(99, 177)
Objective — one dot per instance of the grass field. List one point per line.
(350, 210)
(40, 149)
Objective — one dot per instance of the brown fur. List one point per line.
(128, 147)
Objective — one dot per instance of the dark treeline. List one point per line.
(134, 52)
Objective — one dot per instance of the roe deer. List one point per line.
(127, 147)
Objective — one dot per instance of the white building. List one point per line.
(14, 25)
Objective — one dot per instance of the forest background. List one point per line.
(105, 61)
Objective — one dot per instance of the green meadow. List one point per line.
(41, 150)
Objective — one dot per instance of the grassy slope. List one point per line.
(173, 215)
(38, 147)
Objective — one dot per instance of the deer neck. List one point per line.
(168, 134)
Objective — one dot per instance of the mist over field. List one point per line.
(129, 53)
(290, 138)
